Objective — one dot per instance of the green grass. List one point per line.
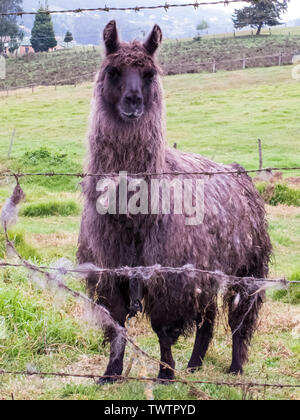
(219, 115)
(23, 248)
(292, 294)
(223, 116)
(285, 195)
(51, 209)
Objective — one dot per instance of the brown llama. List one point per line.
(127, 133)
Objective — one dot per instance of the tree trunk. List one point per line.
(259, 29)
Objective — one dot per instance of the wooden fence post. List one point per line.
(244, 62)
(11, 143)
(279, 59)
(214, 67)
(260, 155)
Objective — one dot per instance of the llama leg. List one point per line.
(115, 365)
(243, 315)
(117, 345)
(203, 337)
(167, 335)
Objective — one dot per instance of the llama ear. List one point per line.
(111, 38)
(154, 40)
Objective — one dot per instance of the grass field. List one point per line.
(219, 115)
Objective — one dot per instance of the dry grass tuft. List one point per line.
(278, 317)
(62, 240)
(282, 211)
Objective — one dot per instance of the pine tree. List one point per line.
(260, 13)
(42, 34)
(9, 28)
(68, 37)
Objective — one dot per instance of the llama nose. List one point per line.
(133, 99)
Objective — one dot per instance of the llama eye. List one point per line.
(114, 73)
(149, 76)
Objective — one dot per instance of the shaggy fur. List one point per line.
(233, 237)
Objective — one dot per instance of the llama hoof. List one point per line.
(164, 381)
(106, 381)
(194, 369)
(235, 370)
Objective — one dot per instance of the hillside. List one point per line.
(189, 56)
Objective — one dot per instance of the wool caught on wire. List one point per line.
(9, 213)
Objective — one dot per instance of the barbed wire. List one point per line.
(106, 321)
(165, 6)
(269, 170)
(147, 272)
(149, 379)
(144, 273)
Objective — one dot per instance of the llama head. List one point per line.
(129, 76)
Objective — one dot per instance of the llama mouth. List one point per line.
(131, 116)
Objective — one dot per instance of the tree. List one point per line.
(42, 34)
(202, 26)
(260, 13)
(68, 37)
(10, 32)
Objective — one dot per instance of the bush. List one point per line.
(285, 195)
(43, 155)
(275, 194)
(292, 295)
(69, 208)
(44, 160)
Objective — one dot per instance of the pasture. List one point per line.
(218, 115)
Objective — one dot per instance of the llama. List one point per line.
(127, 133)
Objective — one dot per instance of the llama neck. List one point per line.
(135, 147)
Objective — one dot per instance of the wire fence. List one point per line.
(107, 9)
(105, 319)
(149, 379)
(149, 272)
(144, 274)
(241, 171)
(130, 272)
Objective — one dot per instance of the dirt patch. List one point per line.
(280, 317)
(282, 211)
(294, 181)
(62, 240)
(87, 365)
